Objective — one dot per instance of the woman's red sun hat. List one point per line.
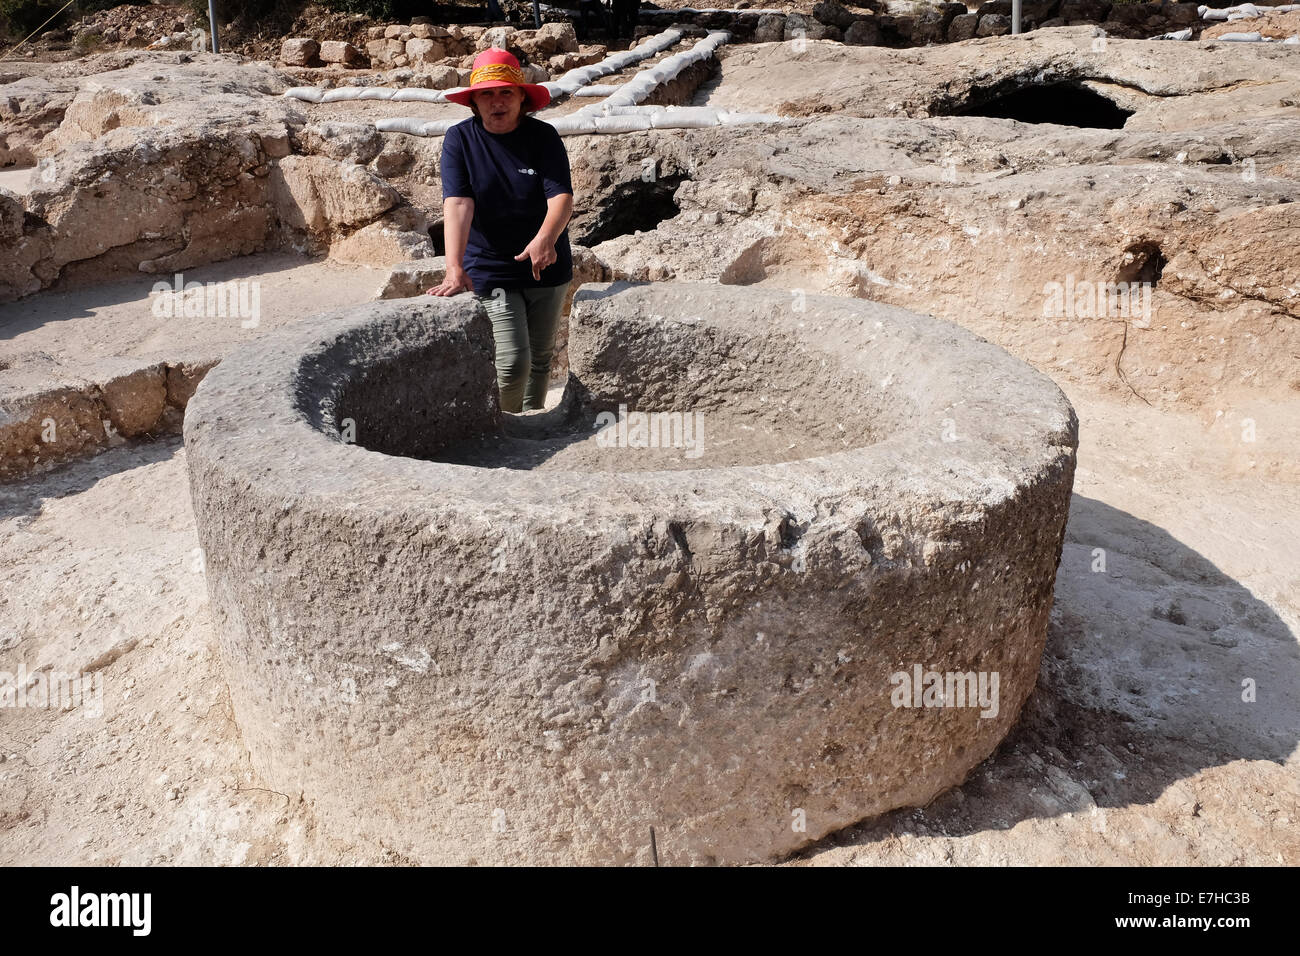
(500, 68)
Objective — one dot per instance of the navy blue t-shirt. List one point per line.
(510, 176)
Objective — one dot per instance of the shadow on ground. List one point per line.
(75, 301)
(26, 496)
(1141, 685)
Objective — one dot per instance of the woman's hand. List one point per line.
(541, 251)
(455, 281)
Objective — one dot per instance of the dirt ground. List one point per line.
(77, 326)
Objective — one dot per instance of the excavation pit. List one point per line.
(639, 205)
(1063, 103)
(539, 656)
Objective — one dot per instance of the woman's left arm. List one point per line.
(541, 251)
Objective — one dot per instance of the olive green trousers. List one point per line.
(523, 324)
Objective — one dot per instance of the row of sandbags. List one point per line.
(618, 113)
(665, 71)
(632, 119)
(640, 118)
(1242, 11)
(415, 126)
(566, 85)
(614, 63)
(565, 11)
(1256, 38)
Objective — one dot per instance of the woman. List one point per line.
(507, 199)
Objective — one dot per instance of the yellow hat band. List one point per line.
(497, 71)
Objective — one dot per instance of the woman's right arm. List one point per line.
(457, 214)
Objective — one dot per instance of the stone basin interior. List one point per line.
(642, 395)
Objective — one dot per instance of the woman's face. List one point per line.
(500, 108)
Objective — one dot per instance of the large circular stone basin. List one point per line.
(482, 638)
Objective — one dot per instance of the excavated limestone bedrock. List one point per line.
(489, 638)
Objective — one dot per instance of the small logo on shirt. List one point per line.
(530, 172)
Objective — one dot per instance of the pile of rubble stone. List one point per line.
(906, 23)
(445, 53)
(155, 26)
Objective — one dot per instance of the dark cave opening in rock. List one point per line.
(631, 206)
(1144, 263)
(1066, 104)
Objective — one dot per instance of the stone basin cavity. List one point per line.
(650, 392)
(483, 638)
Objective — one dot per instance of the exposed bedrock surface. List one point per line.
(988, 221)
(173, 163)
(538, 662)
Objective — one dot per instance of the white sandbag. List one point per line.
(572, 125)
(632, 92)
(608, 110)
(1176, 35)
(311, 94)
(401, 124)
(684, 119)
(596, 90)
(1240, 37)
(1292, 41)
(377, 93)
(611, 64)
(437, 127)
(622, 124)
(588, 76)
(582, 75)
(343, 93)
(653, 45)
(626, 96)
(420, 96)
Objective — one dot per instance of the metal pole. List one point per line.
(1015, 16)
(537, 15)
(212, 22)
